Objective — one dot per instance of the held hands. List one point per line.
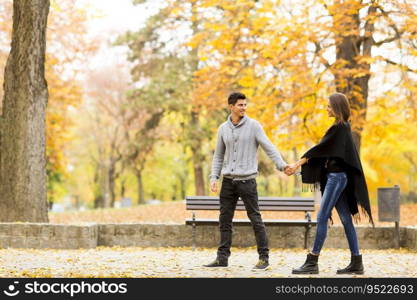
(290, 169)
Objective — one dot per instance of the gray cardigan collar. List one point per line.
(241, 122)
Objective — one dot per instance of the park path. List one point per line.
(183, 262)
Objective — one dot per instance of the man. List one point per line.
(235, 158)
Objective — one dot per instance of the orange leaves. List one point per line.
(288, 59)
(260, 23)
(386, 142)
(211, 3)
(248, 79)
(364, 59)
(197, 39)
(223, 44)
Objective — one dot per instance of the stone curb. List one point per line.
(55, 236)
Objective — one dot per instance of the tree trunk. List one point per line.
(98, 192)
(182, 173)
(297, 179)
(23, 189)
(112, 180)
(198, 158)
(281, 187)
(141, 193)
(356, 89)
(99, 201)
(122, 188)
(266, 187)
(348, 48)
(101, 186)
(183, 186)
(105, 181)
(199, 178)
(196, 135)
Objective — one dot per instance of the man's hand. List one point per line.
(290, 169)
(213, 186)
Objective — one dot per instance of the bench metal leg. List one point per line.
(306, 236)
(308, 227)
(194, 233)
(194, 236)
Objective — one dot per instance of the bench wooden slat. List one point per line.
(260, 202)
(264, 207)
(288, 204)
(245, 222)
(265, 203)
(259, 198)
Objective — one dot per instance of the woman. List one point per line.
(335, 165)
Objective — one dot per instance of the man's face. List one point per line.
(239, 109)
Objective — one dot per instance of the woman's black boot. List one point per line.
(355, 266)
(309, 267)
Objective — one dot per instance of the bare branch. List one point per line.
(388, 40)
(322, 59)
(410, 159)
(368, 39)
(398, 33)
(406, 68)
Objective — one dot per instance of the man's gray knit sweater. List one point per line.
(235, 154)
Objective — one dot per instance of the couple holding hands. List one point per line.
(333, 164)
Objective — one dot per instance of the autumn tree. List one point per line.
(174, 17)
(149, 105)
(357, 30)
(63, 65)
(108, 111)
(22, 124)
(68, 49)
(289, 56)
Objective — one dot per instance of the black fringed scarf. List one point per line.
(338, 142)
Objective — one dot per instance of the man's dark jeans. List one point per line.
(230, 192)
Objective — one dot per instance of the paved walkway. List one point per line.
(183, 262)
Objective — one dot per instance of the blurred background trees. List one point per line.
(142, 126)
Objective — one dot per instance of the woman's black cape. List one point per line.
(338, 142)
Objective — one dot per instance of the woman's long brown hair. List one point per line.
(340, 107)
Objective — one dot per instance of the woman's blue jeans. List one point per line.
(333, 197)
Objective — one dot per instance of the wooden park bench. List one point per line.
(194, 203)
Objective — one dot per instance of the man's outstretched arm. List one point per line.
(269, 148)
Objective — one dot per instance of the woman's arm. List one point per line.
(293, 167)
(332, 144)
(301, 162)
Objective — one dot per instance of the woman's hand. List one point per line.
(290, 169)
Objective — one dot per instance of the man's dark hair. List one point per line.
(234, 97)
